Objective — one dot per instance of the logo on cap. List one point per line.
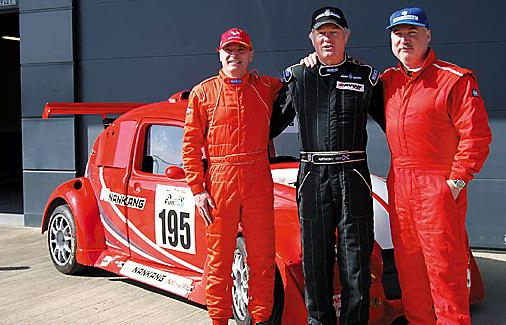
(405, 17)
(235, 35)
(410, 16)
(327, 13)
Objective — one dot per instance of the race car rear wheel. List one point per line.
(61, 240)
(240, 288)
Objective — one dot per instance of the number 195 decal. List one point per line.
(175, 218)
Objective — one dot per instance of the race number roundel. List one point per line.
(175, 218)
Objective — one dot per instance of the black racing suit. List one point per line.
(334, 187)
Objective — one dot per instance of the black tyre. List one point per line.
(240, 288)
(61, 241)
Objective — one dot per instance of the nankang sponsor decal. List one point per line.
(121, 199)
(350, 86)
(157, 278)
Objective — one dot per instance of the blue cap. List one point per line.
(410, 16)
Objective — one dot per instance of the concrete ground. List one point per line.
(33, 292)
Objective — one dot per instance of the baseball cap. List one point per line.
(235, 35)
(328, 15)
(411, 16)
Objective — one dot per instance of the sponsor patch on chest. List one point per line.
(350, 86)
(235, 81)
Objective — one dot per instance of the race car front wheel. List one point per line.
(61, 240)
(240, 287)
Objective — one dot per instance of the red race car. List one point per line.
(133, 214)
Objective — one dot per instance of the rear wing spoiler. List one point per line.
(62, 108)
(103, 109)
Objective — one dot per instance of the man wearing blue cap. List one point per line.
(438, 134)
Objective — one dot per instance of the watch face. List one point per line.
(459, 183)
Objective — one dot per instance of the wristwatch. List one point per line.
(458, 183)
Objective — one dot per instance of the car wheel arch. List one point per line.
(79, 196)
(49, 211)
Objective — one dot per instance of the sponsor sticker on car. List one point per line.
(121, 199)
(164, 280)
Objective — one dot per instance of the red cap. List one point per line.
(235, 35)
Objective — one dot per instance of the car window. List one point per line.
(163, 148)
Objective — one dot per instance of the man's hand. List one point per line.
(310, 61)
(203, 201)
(455, 190)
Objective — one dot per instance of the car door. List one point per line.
(109, 177)
(165, 229)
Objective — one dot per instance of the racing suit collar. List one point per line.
(429, 60)
(325, 70)
(234, 81)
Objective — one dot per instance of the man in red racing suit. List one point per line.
(228, 117)
(438, 134)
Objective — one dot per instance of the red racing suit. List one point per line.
(229, 118)
(437, 129)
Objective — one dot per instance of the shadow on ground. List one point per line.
(492, 310)
(160, 292)
(13, 268)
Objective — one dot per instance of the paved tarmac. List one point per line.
(33, 292)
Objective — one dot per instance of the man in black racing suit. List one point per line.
(331, 102)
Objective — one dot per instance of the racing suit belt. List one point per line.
(239, 158)
(331, 157)
(443, 164)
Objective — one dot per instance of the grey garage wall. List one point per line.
(47, 74)
(145, 50)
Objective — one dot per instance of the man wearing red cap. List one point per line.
(228, 118)
(438, 134)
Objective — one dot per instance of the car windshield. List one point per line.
(163, 148)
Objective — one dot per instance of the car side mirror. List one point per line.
(174, 172)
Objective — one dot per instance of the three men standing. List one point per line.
(437, 131)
